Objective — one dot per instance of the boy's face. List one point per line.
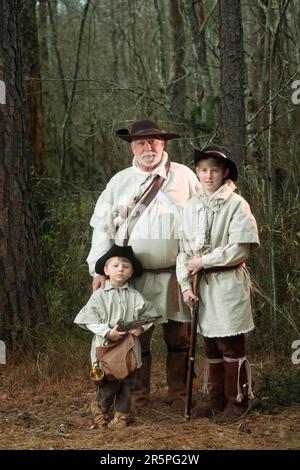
(119, 270)
(211, 173)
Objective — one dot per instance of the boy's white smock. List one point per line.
(109, 305)
(221, 229)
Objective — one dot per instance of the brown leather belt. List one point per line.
(174, 285)
(218, 269)
(171, 269)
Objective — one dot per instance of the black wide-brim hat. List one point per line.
(220, 155)
(121, 252)
(145, 128)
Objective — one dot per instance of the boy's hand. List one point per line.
(188, 297)
(137, 331)
(195, 264)
(115, 334)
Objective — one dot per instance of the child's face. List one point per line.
(211, 173)
(119, 270)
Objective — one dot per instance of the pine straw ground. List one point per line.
(39, 413)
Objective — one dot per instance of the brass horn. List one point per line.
(96, 373)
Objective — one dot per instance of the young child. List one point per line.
(217, 233)
(117, 301)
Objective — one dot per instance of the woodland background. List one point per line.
(75, 71)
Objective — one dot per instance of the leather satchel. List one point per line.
(117, 360)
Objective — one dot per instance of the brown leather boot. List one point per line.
(101, 418)
(176, 377)
(235, 391)
(120, 420)
(217, 399)
(141, 384)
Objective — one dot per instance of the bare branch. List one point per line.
(272, 98)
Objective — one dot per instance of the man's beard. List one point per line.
(149, 154)
(155, 159)
(154, 155)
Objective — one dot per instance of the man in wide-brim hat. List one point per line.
(147, 142)
(142, 205)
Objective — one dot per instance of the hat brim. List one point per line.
(125, 135)
(233, 171)
(121, 252)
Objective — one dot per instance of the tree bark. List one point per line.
(162, 69)
(67, 116)
(232, 79)
(43, 36)
(33, 88)
(19, 254)
(195, 13)
(177, 85)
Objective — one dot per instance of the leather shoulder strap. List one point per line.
(144, 203)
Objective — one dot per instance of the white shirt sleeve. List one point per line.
(228, 255)
(100, 329)
(102, 222)
(182, 272)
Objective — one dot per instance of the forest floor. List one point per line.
(45, 414)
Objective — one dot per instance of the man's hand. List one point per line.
(188, 297)
(98, 282)
(115, 334)
(137, 331)
(195, 264)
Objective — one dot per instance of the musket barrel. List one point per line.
(192, 348)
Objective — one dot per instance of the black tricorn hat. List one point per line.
(144, 128)
(211, 152)
(121, 252)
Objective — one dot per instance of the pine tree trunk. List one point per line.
(195, 14)
(232, 79)
(178, 86)
(33, 88)
(19, 268)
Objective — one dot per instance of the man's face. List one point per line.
(148, 152)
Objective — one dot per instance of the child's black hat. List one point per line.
(121, 252)
(210, 152)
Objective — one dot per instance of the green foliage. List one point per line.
(280, 234)
(203, 118)
(281, 386)
(65, 242)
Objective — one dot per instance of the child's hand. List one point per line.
(137, 331)
(188, 297)
(115, 334)
(195, 264)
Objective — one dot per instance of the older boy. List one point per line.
(217, 234)
(106, 307)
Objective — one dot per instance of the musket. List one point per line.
(192, 349)
(131, 325)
